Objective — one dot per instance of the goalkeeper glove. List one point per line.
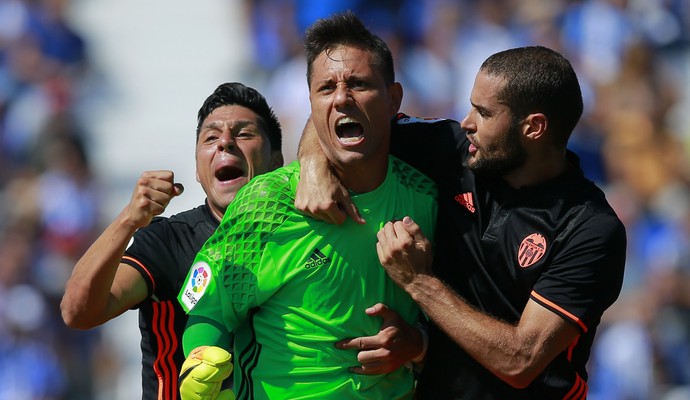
(203, 372)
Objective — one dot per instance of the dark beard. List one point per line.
(514, 156)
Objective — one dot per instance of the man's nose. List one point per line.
(343, 96)
(468, 124)
(226, 142)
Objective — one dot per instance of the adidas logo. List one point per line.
(465, 199)
(317, 259)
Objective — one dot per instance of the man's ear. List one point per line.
(396, 93)
(276, 160)
(535, 125)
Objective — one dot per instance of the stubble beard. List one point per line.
(500, 159)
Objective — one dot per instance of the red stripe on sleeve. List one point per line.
(137, 262)
(561, 310)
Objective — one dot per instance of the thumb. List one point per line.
(380, 310)
(178, 188)
(413, 229)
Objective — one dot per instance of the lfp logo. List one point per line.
(200, 279)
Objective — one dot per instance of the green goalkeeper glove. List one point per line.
(203, 372)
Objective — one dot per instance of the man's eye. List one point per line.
(246, 134)
(210, 137)
(481, 112)
(326, 88)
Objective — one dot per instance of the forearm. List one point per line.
(85, 303)
(309, 149)
(314, 164)
(499, 347)
(202, 331)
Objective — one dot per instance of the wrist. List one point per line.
(422, 286)
(425, 345)
(127, 223)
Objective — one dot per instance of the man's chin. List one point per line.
(224, 201)
(228, 191)
(482, 168)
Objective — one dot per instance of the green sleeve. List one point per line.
(201, 331)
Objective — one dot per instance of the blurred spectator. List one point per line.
(48, 204)
(434, 90)
(596, 34)
(29, 366)
(486, 28)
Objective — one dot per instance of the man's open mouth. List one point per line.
(228, 173)
(349, 130)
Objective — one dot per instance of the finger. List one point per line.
(386, 234)
(321, 216)
(413, 229)
(380, 310)
(370, 368)
(358, 343)
(162, 184)
(161, 175)
(408, 234)
(391, 238)
(178, 189)
(401, 231)
(329, 215)
(161, 194)
(352, 211)
(420, 240)
(335, 214)
(383, 253)
(152, 194)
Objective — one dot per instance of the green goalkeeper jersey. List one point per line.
(290, 286)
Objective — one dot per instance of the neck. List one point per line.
(538, 169)
(216, 212)
(363, 177)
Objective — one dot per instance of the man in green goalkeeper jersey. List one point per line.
(289, 286)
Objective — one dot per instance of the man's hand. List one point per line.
(404, 251)
(319, 193)
(152, 193)
(396, 344)
(322, 196)
(203, 373)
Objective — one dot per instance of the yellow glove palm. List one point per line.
(203, 372)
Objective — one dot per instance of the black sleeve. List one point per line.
(586, 277)
(431, 145)
(151, 254)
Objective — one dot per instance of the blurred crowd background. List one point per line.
(57, 192)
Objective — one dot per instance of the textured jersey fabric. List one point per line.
(558, 243)
(162, 252)
(291, 286)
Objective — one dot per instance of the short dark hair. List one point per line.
(235, 93)
(538, 79)
(346, 29)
